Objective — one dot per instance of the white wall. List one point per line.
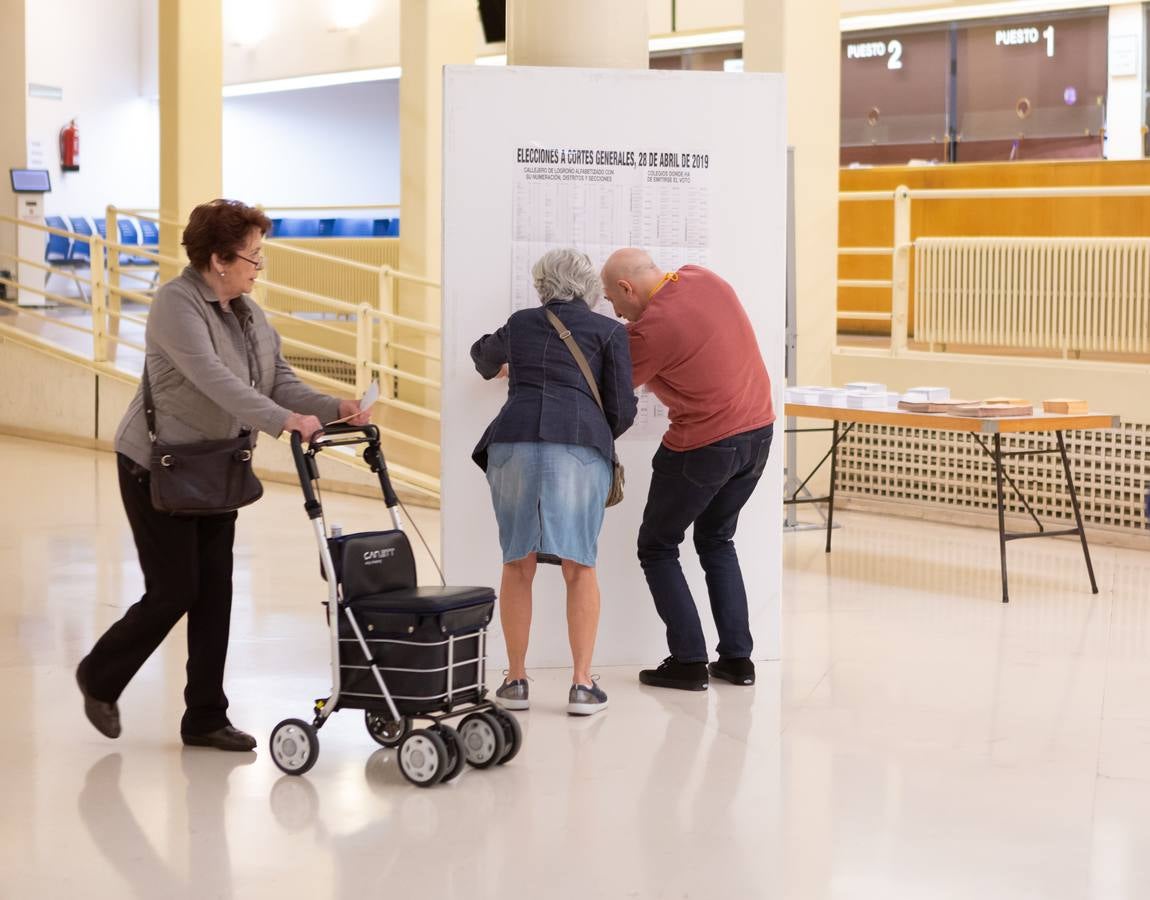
(93, 52)
(332, 146)
(300, 39)
(1125, 100)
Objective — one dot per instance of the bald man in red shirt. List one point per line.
(693, 345)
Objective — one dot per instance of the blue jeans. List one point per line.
(707, 487)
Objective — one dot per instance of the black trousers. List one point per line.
(187, 565)
(706, 487)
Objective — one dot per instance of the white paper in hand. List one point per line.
(369, 397)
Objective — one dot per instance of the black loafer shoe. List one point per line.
(105, 717)
(226, 738)
(736, 671)
(674, 674)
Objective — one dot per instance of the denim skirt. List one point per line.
(548, 499)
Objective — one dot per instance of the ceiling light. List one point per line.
(247, 22)
(347, 15)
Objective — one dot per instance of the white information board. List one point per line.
(688, 165)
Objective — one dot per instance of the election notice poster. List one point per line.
(600, 199)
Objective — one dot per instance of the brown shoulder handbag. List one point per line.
(615, 494)
(203, 478)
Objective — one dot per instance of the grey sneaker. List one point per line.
(513, 694)
(586, 699)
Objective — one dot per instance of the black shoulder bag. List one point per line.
(615, 494)
(204, 478)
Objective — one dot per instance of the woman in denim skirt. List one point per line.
(547, 457)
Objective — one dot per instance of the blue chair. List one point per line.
(379, 227)
(298, 228)
(149, 238)
(135, 233)
(346, 228)
(393, 228)
(149, 233)
(102, 230)
(58, 249)
(129, 234)
(81, 250)
(129, 263)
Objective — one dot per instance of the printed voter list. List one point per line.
(600, 199)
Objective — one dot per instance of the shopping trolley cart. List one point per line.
(399, 652)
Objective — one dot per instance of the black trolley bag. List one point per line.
(399, 651)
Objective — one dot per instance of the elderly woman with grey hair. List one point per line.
(548, 455)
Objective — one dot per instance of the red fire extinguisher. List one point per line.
(70, 147)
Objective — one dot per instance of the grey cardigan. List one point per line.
(213, 372)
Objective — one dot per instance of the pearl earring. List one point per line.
(221, 273)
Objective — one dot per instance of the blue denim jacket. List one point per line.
(548, 398)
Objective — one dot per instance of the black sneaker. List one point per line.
(736, 671)
(674, 674)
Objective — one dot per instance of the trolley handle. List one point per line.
(373, 456)
(305, 469)
(368, 433)
(345, 435)
(338, 436)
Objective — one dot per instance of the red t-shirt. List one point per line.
(695, 349)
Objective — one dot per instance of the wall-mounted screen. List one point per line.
(30, 181)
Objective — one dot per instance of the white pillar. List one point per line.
(433, 34)
(14, 134)
(1125, 101)
(191, 113)
(802, 40)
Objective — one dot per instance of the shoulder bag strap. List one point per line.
(149, 405)
(567, 338)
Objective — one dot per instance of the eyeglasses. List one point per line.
(258, 262)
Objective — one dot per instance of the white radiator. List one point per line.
(1067, 294)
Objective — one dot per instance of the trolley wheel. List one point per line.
(512, 734)
(423, 757)
(483, 739)
(456, 751)
(295, 746)
(384, 731)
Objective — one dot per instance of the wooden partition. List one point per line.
(870, 224)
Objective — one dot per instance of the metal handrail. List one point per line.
(1050, 193)
(130, 294)
(418, 481)
(278, 244)
(106, 293)
(902, 245)
(158, 218)
(63, 323)
(50, 229)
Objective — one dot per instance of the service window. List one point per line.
(894, 95)
(1146, 114)
(1031, 88)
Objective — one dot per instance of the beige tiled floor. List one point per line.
(919, 740)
